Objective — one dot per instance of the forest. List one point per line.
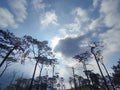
(15, 49)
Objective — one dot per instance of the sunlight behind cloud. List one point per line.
(54, 42)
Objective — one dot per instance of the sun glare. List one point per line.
(54, 42)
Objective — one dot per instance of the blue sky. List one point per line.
(67, 25)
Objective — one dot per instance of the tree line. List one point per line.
(15, 49)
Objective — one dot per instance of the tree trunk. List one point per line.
(30, 87)
(7, 56)
(41, 71)
(40, 77)
(53, 70)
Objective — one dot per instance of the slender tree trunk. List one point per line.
(40, 78)
(74, 78)
(108, 76)
(100, 69)
(7, 56)
(30, 87)
(53, 70)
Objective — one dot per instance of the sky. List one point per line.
(68, 25)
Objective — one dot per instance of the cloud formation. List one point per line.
(7, 18)
(95, 3)
(104, 28)
(82, 26)
(19, 9)
(39, 5)
(75, 28)
(81, 14)
(49, 17)
(71, 46)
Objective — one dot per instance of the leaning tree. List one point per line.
(12, 49)
(96, 50)
(11, 46)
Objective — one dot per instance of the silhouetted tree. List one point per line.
(80, 79)
(116, 74)
(95, 49)
(11, 47)
(41, 53)
(83, 57)
(95, 79)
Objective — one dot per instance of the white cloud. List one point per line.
(95, 3)
(49, 17)
(96, 23)
(18, 7)
(54, 42)
(78, 26)
(109, 17)
(6, 18)
(81, 14)
(73, 27)
(39, 5)
(110, 11)
(109, 14)
(63, 31)
(111, 39)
